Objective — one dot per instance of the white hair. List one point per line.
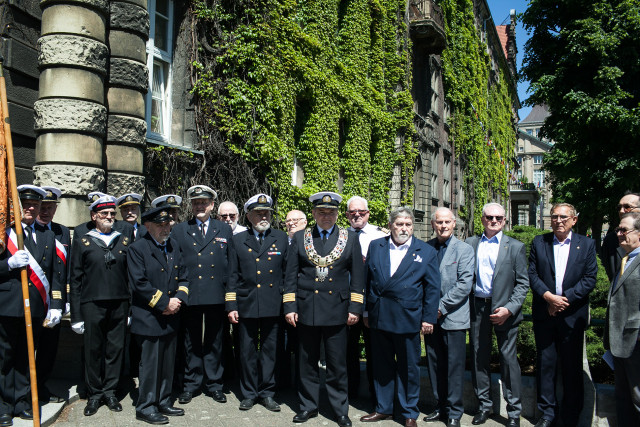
(491, 205)
(358, 199)
(442, 209)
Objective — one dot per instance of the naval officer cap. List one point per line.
(157, 215)
(31, 192)
(53, 194)
(95, 195)
(167, 201)
(326, 199)
(259, 201)
(201, 192)
(104, 202)
(128, 199)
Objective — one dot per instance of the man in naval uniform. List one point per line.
(48, 342)
(324, 293)
(254, 301)
(171, 202)
(159, 291)
(206, 248)
(45, 291)
(122, 227)
(129, 206)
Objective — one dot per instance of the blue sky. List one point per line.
(500, 12)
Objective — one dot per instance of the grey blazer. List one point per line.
(456, 280)
(623, 313)
(510, 282)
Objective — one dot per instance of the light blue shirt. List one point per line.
(487, 257)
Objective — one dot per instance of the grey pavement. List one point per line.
(203, 411)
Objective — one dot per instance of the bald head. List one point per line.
(296, 220)
(228, 212)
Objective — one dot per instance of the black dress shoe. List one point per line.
(436, 415)
(513, 422)
(304, 416)
(481, 417)
(171, 411)
(113, 404)
(55, 399)
(185, 397)
(6, 420)
(246, 404)
(154, 418)
(544, 423)
(92, 407)
(27, 414)
(452, 422)
(219, 396)
(270, 404)
(344, 421)
(374, 416)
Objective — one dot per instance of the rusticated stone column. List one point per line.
(127, 86)
(70, 114)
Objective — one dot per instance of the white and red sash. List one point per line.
(36, 275)
(61, 251)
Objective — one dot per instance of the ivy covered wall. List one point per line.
(325, 83)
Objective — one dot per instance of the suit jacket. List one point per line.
(401, 303)
(623, 312)
(63, 270)
(328, 302)
(609, 253)
(456, 281)
(142, 230)
(44, 252)
(579, 278)
(154, 279)
(206, 258)
(510, 282)
(257, 279)
(91, 278)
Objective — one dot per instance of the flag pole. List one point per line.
(17, 214)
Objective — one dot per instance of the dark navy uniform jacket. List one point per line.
(207, 259)
(154, 279)
(44, 252)
(257, 280)
(91, 279)
(328, 302)
(400, 303)
(63, 271)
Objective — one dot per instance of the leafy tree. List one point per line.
(583, 61)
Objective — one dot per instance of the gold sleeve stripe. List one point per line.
(183, 289)
(155, 299)
(230, 296)
(291, 297)
(355, 297)
(68, 289)
(56, 294)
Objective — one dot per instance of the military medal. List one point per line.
(322, 263)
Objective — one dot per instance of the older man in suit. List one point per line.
(562, 274)
(446, 347)
(501, 285)
(623, 323)
(609, 253)
(403, 287)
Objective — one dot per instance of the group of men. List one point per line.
(177, 287)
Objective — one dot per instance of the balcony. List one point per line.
(427, 24)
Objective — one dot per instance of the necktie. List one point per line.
(324, 235)
(163, 248)
(358, 230)
(29, 232)
(260, 238)
(202, 229)
(624, 262)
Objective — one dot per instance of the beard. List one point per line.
(401, 238)
(262, 226)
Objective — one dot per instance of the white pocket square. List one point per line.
(418, 259)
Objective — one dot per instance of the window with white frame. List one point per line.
(434, 174)
(446, 179)
(159, 56)
(537, 159)
(538, 177)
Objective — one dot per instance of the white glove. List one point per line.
(53, 318)
(67, 308)
(18, 260)
(78, 327)
(129, 321)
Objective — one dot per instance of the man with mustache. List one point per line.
(403, 289)
(159, 291)
(254, 301)
(129, 205)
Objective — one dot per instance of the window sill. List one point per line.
(155, 141)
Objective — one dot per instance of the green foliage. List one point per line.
(321, 82)
(480, 109)
(583, 61)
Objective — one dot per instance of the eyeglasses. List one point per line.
(624, 231)
(496, 217)
(230, 216)
(293, 220)
(106, 214)
(627, 207)
(559, 217)
(361, 212)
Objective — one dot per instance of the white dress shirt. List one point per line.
(396, 253)
(487, 257)
(239, 229)
(367, 234)
(560, 258)
(206, 225)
